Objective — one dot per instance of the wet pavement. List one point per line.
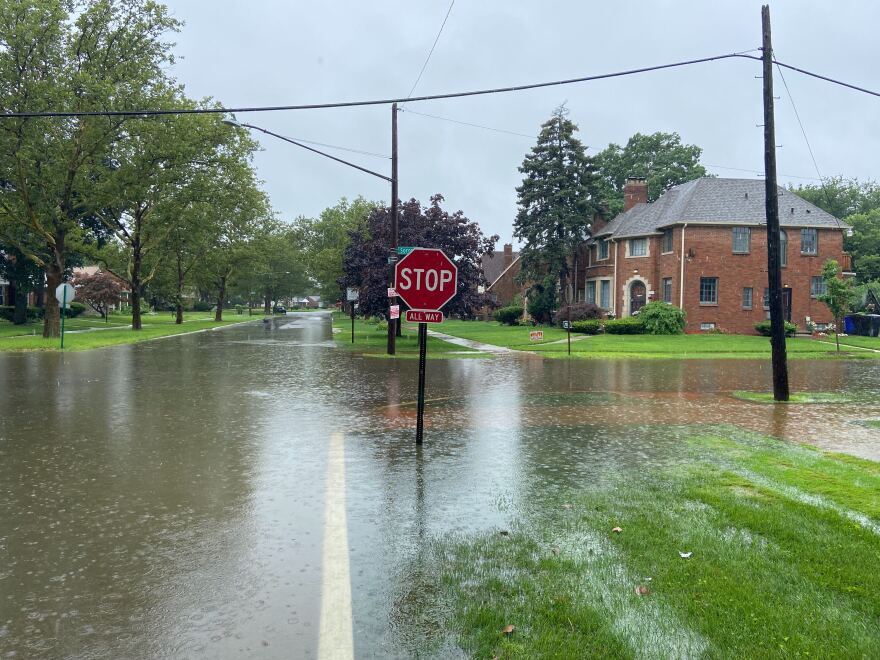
(167, 499)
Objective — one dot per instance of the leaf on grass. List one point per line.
(508, 629)
(685, 555)
(642, 590)
(617, 529)
(566, 506)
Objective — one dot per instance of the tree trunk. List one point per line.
(19, 297)
(221, 296)
(51, 317)
(180, 278)
(267, 305)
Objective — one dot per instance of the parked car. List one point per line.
(279, 309)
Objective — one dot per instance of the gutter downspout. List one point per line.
(681, 278)
(614, 289)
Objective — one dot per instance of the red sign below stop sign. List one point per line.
(426, 279)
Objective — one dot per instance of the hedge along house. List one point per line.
(702, 246)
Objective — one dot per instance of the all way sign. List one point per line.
(422, 316)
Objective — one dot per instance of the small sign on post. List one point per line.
(394, 312)
(351, 294)
(64, 293)
(536, 335)
(392, 293)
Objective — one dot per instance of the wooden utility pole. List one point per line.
(774, 268)
(393, 323)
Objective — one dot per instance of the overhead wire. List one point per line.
(471, 124)
(433, 46)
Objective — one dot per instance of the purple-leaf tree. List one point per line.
(99, 291)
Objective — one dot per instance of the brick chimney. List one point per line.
(508, 255)
(635, 191)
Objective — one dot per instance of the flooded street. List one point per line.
(168, 499)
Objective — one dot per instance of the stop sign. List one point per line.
(426, 279)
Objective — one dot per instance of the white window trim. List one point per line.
(647, 247)
(608, 247)
(662, 251)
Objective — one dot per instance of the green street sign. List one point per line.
(404, 250)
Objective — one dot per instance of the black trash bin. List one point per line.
(875, 324)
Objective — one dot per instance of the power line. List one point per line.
(354, 104)
(431, 52)
(761, 172)
(467, 123)
(826, 78)
(334, 146)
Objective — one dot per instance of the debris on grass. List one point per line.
(685, 555)
(617, 530)
(508, 629)
(642, 590)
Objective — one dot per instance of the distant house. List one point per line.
(500, 270)
(703, 247)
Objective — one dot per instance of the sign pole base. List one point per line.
(420, 413)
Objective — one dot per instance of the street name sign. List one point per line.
(426, 279)
(423, 316)
(403, 251)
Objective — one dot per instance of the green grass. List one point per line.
(781, 538)
(852, 340)
(99, 334)
(802, 397)
(710, 346)
(372, 340)
(873, 423)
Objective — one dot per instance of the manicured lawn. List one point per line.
(743, 547)
(643, 346)
(372, 340)
(852, 340)
(100, 334)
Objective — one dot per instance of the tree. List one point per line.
(557, 201)
(327, 237)
(56, 54)
(23, 276)
(858, 205)
(99, 291)
(277, 269)
(365, 261)
(838, 296)
(659, 157)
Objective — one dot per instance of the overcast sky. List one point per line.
(276, 52)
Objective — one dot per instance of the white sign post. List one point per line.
(65, 293)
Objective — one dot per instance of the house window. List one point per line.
(707, 326)
(591, 292)
(667, 240)
(809, 241)
(765, 301)
(605, 294)
(638, 247)
(783, 248)
(817, 286)
(741, 240)
(667, 289)
(747, 297)
(708, 290)
(603, 248)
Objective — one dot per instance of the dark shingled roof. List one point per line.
(711, 201)
(493, 266)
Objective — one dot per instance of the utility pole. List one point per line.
(393, 323)
(774, 269)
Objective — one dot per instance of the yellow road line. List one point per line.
(335, 638)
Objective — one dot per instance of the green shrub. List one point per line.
(202, 306)
(580, 311)
(382, 325)
(628, 325)
(542, 300)
(661, 318)
(75, 309)
(588, 327)
(33, 313)
(509, 315)
(763, 327)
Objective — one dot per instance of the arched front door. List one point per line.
(637, 297)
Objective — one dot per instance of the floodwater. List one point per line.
(167, 499)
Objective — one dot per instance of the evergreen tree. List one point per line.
(557, 201)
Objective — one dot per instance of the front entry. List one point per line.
(786, 303)
(637, 297)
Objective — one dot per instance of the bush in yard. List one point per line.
(628, 325)
(75, 310)
(588, 327)
(579, 312)
(509, 315)
(661, 318)
(202, 306)
(7, 312)
(763, 327)
(542, 300)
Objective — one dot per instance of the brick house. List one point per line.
(703, 247)
(500, 271)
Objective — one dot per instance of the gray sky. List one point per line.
(274, 52)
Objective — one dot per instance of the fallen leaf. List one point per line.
(617, 529)
(642, 590)
(508, 629)
(685, 555)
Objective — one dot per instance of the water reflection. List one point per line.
(166, 499)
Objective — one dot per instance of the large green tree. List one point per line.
(327, 237)
(659, 157)
(62, 55)
(858, 205)
(556, 201)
